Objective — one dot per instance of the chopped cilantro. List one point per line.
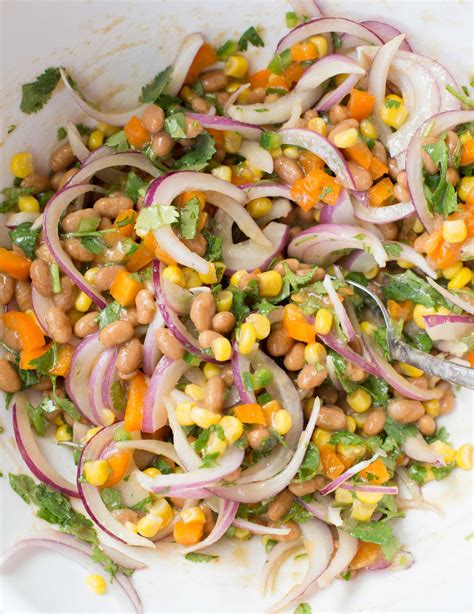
(443, 199)
(118, 141)
(175, 126)
(153, 90)
(303, 608)
(393, 249)
(61, 133)
(280, 62)
(189, 218)
(151, 218)
(270, 140)
(198, 557)
(135, 186)
(109, 314)
(112, 498)
(309, 467)
(379, 532)
(198, 157)
(36, 94)
(214, 247)
(141, 506)
(408, 286)
(226, 49)
(390, 103)
(11, 196)
(209, 461)
(251, 36)
(25, 238)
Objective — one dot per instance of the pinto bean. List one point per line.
(374, 422)
(354, 372)
(206, 338)
(214, 394)
(203, 309)
(257, 437)
(338, 113)
(401, 193)
(200, 105)
(214, 80)
(430, 166)
(41, 277)
(38, 183)
(105, 276)
(198, 245)
(362, 178)
(281, 505)
(223, 322)
(341, 126)
(72, 221)
(65, 299)
(287, 169)
(279, 342)
(447, 401)
(9, 379)
(146, 306)
(426, 425)
(162, 144)
(393, 169)
(12, 339)
(293, 535)
(77, 251)
(292, 263)
(294, 359)
(168, 344)
(256, 95)
(7, 288)
(405, 411)
(61, 158)
(111, 206)
(379, 151)
(58, 325)
(227, 376)
(331, 418)
(454, 144)
(310, 377)
(116, 333)
(129, 357)
(153, 118)
(65, 177)
(87, 324)
(389, 230)
(452, 176)
(300, 489)
(23, 295)
(192, 127)
(43, 253)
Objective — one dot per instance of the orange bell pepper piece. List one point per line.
(293, 73)
(360, 154)
(139, 259)
(125, 222)
(206, 56)
(63, 361)
(13, 264)
(470, 358)
(250, 413)
(316, 186)
(367, 554)
(302, 52)
(400, 311)
(188, 533)
(119, 464)
(361, 104)
(31, 335)
(260, 78)
(136, 134)
(332, 464)
(375, 473)
(467, 153)
(445, 255)
(278, 82)
(295, 324)
(381, 192)
(125, 288)
(135, 402)
(377, 169)
(310, 162)
(26, 356)
(185, 197)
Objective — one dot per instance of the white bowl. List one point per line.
(112, 49)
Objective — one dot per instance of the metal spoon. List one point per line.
(399, 350)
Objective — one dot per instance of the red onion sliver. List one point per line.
(410, 255)
(41, 305)
(340, 213)
(456, 299)
(336, 95)
(151, 351)
(104, 364)
(257, 156)
(346, 551)
(259, 529)
(225, 518)
(266, 189)
(371, 488)
(328, 67)
(449, 328)
(248, 131)
(341, 314)
(75, 140)
(383, 215)
(351, 472)
(182, 62)
(386, 32)
(348, 353)
(274, 561)
(417, 449)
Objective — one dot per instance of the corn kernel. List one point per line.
(107, 129)
(321, 45)
(359, 400)
(96, 139)
(96, 472)
(315, 353)
(191, 278)
(454, 231)
(162, 509)
(344, 497)
(210, 370)
(237, 277)
(291, 152)
(90, 433)
(464, 456)
(446, 451)
(258, 207)
(83, 302)
(216, 445)
(405, 264)
(21, 165)
(193, 514)
(28, 204)
(418, 227)
(242, 534)
(317, 124)
(203, 417)
(393, 112)
(261, 323)
(464, 187)
(175, 275)
(224, 300)
(222, 349)
(183, 413)
(323, 321)
(371, 273)
(96, 583)
(232, 428)
(369, 497)
(346, 138)
(360, 419)
(368, 328)
(90, 274)
(351, 424)
(461, 279)
(211, 276)
(465, 136)
(362, 511)
(63, 433)
(277, 151)
(247, 338)
(149, 525)
(58, 421)
(194, 391)
(152, 472)
(222, 172)
(452, 271)
(108, 416)
(281, 422)
(368, 129)
(270, 283)
(432, 408)
(232, 141)
(409, 370)
(321, 437)
(236, 66)
(418, 315)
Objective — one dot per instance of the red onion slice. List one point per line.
(336, 95)
(350, 473)
(259, 529)
(75, 140)
(277, 556)
(323, 148)
(80, 553)
(240, 365)
(322, 509)
(328, 67)
(41, 305)
(339, 310)
(160, 448)
(151, 351)
(340, 213)
(386, 490)
(410, 255)
(449, 328)
(182, 62)
(383, 215)
(266, 189)
(104, 364)
(417, 449)
(456, 299)
(39, 466)
(348, 353)
(225, 518)
(281, 207)
(15, 219)
(77, 380)
(306, 8)
(248, 131)
(257, 156)
(345, 552)
(386, 32)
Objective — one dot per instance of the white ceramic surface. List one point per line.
(112, 49)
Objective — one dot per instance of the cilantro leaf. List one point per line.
(198, 557)
(11, 196)
(251, 36)
(118, 141)
(36, 94)
(189, 218)
(408, 286)
(109, 314)
(134, 185)
(61, 134)
(298, 513)
(151, 218)
(175, 126)
(209, 461)
(95, 245)
(379, 532)
(112, 498)
(198, 157)
(25, 238)
(303, 608)
(44, 363)
(226, 49)
(99, 556)
(399, 432)
(214, 247)
(392, 249)
(309, 467)
(153, 90)
(417, 472)
(141, 505)
(443, 199)
(23, 485)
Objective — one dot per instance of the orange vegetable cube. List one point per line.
(125, 222)
(125, 288)
(295, 324)
(26, 356)
(135, 402)
(377, 169)
(250, 413)
(361, 104)
(375, 473)
(367, 555)
(63, 361)
(260, 78)
(360, 154)
(188, 533)
(310, 161)
(13, 264)
(467, 153)
(136, 134)
(139, 259)
(31, 335)
(302, 52)
(381, 192)
(293, 73)
(119, 464)
(206, 56)
(332, 465)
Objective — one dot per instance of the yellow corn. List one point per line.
(315, 353)
(393, 112)
(193, 514)
(233, 87)
(343, 496)
(58, 421)
(247, 338)
(194, 391)
(359, 400)
(270, 283)
(261, 323)
(362, 511)
(405, 264)
(175, 275)
(96, 139)
(368, 328)
(107, 129)
(371, 273)
(211, 276)
(321, 437)
(418, 314)
(108, 416)
(291, 152)
(432, 408)
(409, 370)
(232, 428)
(224, 300)
(258, 207)
(203, 417)
(216, 445)
(461, 279)
(90, 433)
(232, 141)
(446, 451)
(281, 421)
(236, 66)
(183, 413)
(222, 172)
(464, 456)
(63, 433)
(464, 187)
(454, 231)
(96, 472)
(222, 349)
(242, 534)
(191, 278)
(418, 227)
(90, 274)
(338, 79)
(83, 302)
(369, 497)
(323, 321)
(28, 204)
(149, 525)
(321, 45)
(317, 124)
(351, 424)
(346, 138)
(152, 472)
(237, 277)
(368, 129)
(21, 165)
(452, 271)
(162, 509)
(210, 370)
(277, 151)
(465, 136)
(96, 583)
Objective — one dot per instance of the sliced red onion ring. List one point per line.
(328, 67)
(225, 518)
(385, 32)
(336, 95)
(151, 351)
(178, 298)
(350, 473)
(467, 304)
(41, 305)
(96, 383)
(348, 353)
(341, 314)
(113, 118)
(52, 215)
(160, 448)
(449, 328)
(340, 213)
(273, 562)
(248, 131)
(91, 497)
(110, 376)
(77, 380)
(79, 552)
(322, 509)
(99, 160)
(77, 144)
(323, 148)
(306, 8)
(281, 207)
(259, 529)
(266, 189)
(39, 466)
(417, 449)
(319, 545)
(182, 62)
(346, 551)
(410, 255)
(295, 116)
(386, 490)
(257, 156)
(359, 262)
(240, 365)
(383, 215)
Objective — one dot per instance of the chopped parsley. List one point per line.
(151, 218)
(408, 286)
(309, 467)
(214, 247)
(175, 126)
